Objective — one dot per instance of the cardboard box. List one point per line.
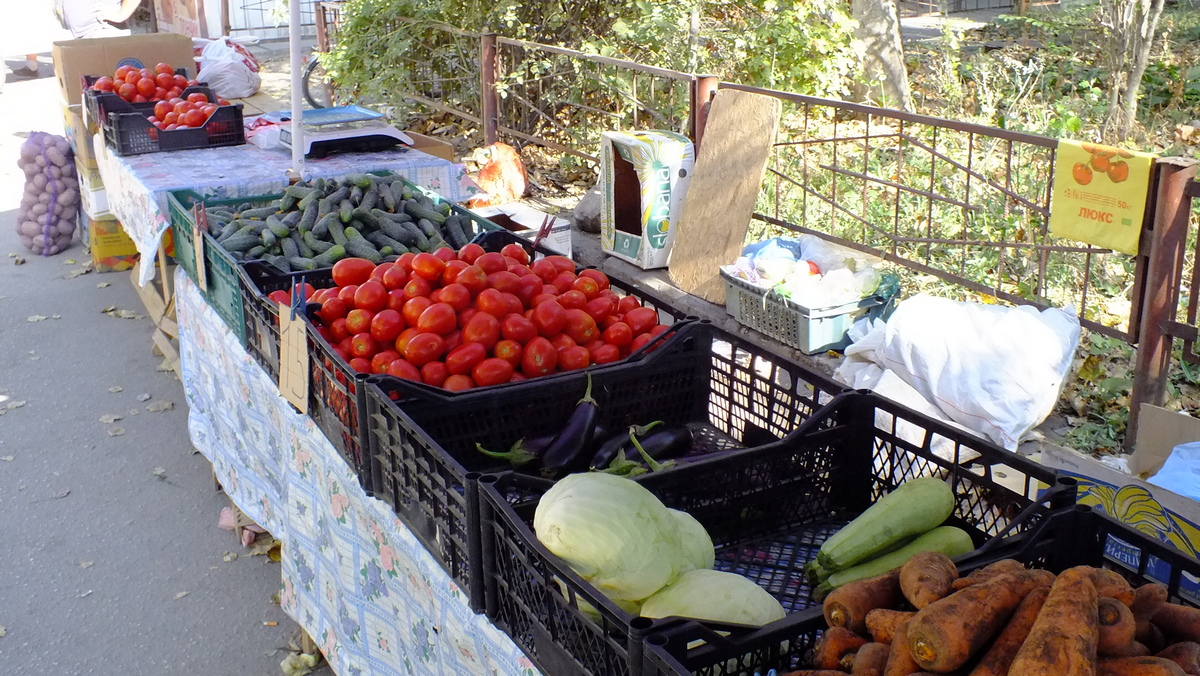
(101, 56)
(1159, 431)
(645, 176)
(80, 137)
(524, 221)
(112, 250)
(92, 196)
(1155, 511)
(432, 146)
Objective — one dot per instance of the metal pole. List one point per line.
(297, 95)
(489, 99)
(1163, 276)
(703, 89)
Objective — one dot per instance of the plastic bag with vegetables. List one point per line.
(49, 206)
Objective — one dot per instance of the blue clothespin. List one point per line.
(297, 299)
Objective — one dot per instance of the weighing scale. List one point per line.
(341, 129)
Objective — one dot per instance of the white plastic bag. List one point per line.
(995, 370)
(1181, 472)
(230, 69)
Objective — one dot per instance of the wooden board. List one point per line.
(725, 183)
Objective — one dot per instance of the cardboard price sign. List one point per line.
(1099, 195)
(198, 246)
(293, 358)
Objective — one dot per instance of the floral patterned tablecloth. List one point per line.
(137, 186)
(353, 576)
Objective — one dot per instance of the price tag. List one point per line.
(198, 247)
(293, 358)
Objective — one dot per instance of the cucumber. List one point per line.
(315, 244)
(359, 181)
(280, 262)
(427, 228)
(397, 232)
(256, 252)
(289, 248)
(299, 264)
(241, 242)
(291, 218)
(369, 200)
(948, 540)
(422, 240)
(356, 195)
(418, 212)
(230, 228)
(916, 506)
(319, 184)
(359, 247)
(305, 251)
(345, 210)
(335, 198)
(277, 226)
(364, 214)
(337, 232)
(334, 254)
(382, 241)
(268, 239)
(388, 197)
(308, 219)
(298, 191)
(454, 232)
(321, 229)
(259, 213)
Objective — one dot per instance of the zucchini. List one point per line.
(419, 211)
(947, 540)
(241, 242)
(334, 254)
(916, 506)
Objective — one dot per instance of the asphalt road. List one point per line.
(105, 567)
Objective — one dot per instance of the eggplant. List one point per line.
(620, 445)
(523, 452)
(569, 450)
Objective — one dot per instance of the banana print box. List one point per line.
(644, 175)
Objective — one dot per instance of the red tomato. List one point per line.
(504, 281)
(520, 270)
(140, 99)
(492, 302)
(549, 318)
(327, 334)
(544, 296)
(661, 328)
(377, 273)
(352, 271)
(197, 97)
(618, 334)
(194, 118)
(545, 270)
(491, 262)
(424, 348)
(605, 353)
(103, 83)
(595, 275)
(573, 300)
(428, 266)
(640, 341)
(278, 297)
(483, 329)
(402, 369)
(463, 358)
(446, 254)
(628, 303)
(386, 325)
(164, 68)
(160, 94)
(510, 351)
(161, 109)
(404, 338)
(450, 274)
(332, 309)
(338, 328)
(417, 287)
(562, 341)
(515, 306)
(458, 383)
(562, 263)
(371, 296)
(346, 293)
(127, 91)
(413, 309)
(132, 77)
(344, 346)
(465, 316)
(641, 320)
(363, 345)
(396, 300)
(492, 371)
(470, 253)
(181, 108)
(180, 82)
(434, 373)
(456, 296)
(539, 358)
(563, 281)
(164, 81)
(122, 72)
(359, 321)
(321, 296)
(515, 327)
(517, 377)
(394, 277)
(581, 327)
(516, 252)
(360, 365)
(453, 340)
(405, 260)
(381, 360)
(528, 288)
(146, 86)
(588, 286)
(438, 318)
(474, 278)
(600, 308)
(171, 118)
(572, 358)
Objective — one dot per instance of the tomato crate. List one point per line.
(768, 512)
(99, 104)
(132, 133)
(223, 274)
(730, 393)
(1074, 536)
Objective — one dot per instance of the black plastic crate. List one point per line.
(768, 512)
(133, 134)
(261, 314)
(731, 393)
(1071, 537)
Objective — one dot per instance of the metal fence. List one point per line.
(259, 18)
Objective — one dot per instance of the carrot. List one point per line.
(988, 572)
(945, 634)
(815, 672)
(1146, 600)
(1117, 627)
(1186, 655)
(1000, 656)
(882, 623)
(1138, 666)
(900, 661)
(1109, 583)
(835, 643)
(927, 577)
(1064, 636)
(848, 605)
(871, 660)
(1179, 622)
(1133, 649)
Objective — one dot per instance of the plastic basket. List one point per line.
(810, 330)
(768, 512)
(730, 392)
(132, 134)
(1071, 537)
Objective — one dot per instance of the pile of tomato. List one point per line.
(473, 319)
(165, 89)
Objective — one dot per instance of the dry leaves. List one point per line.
(8, 458)
(116, 388)
(181, 595)
(164, 366)
(15, 404)
(116, 431)
(114, 311)
(160, 406)
(143, 397)
(160, 473)
(109, 418)
(70, 261)
(103, 285)
(86, 564)
(81, 270)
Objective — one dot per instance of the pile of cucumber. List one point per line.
(316, 224)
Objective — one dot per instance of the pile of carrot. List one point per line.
(1004, 619)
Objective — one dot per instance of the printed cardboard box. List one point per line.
(524, 221)
(645, 176)
(81, 139)
(101, 56)
(112, 250)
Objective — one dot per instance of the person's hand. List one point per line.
(121, 12)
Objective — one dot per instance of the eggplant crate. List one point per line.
(768, 511)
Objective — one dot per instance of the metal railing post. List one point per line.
(489, 103)
(703, 89)
(1164, 274)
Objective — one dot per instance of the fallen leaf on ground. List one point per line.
(114, 311)
(15, 404)
(181, 595)
(12, 255)
(72, 274)
(103, 285)
(61, 494)
(164, 366)
(116, 431)
(143, 397)
(55, 316)
(134, 411)
(115, 389)
(3, 631)
(86, 594)
(109, 418)
(86, 564)
(160, 473)
(229, 556)
(160, 406)
(70, 261)
(19, 261)
(8, 458)
(36, 318)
